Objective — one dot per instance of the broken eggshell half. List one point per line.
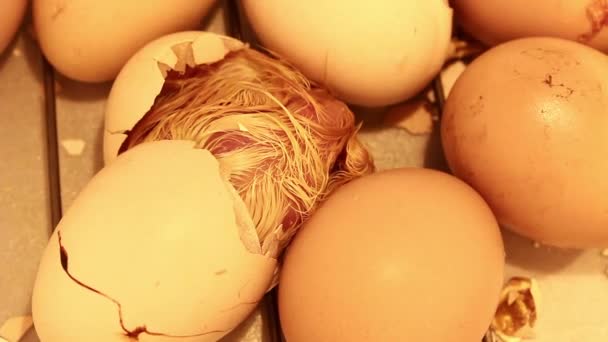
(142, 78)
(285, 142)
(157, 247)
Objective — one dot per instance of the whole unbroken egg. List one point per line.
(400, 255)
(369, 53)
(497, 21)
(11, 16)
(526, 126)
(90, 40)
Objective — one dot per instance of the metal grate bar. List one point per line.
(53, 171)
(439, 95)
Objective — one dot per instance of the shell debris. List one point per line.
(74, 147)
(517, 311)
(15, 328)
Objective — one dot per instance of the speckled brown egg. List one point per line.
(526, 125)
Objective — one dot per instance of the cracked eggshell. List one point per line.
(497, 21)
(90, 40)
(11, 16)
(158, 232)
(370, 53)
(142, 78)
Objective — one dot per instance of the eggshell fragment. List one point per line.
(369, 53)
(90, 40)
(11, 16)
(450, 74)
(526, 126)
(518, 310)
(142, 78)
(152, 249)
(418, 114)
(74, 147)
(15, 328)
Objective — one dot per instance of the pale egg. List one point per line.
(90, 40)
(369, 53)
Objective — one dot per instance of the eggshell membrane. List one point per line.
(11, 16)
(158, 232)
(141, 80)
(526, 126)
(369, 53)
(401, 255)
(90, 40)
(494, 21)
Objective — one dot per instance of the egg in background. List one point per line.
(400, 255)
(90, 40)
(526, 126)
(497, 21)
(369, 53)
(11, 16)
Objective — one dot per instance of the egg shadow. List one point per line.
(522, 253)
(31, 50)
(238, 24)
(33, 57)
(211, 14)
(98, 162)
(434, 156)
(5, 55)
(371, 118)
(30, 335)
(78, 91)
(260, 318)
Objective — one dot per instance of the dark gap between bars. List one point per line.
(52, 147)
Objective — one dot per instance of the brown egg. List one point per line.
(526, 125)
(496, 21)
(400, 255)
